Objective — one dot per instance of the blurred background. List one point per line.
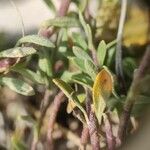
(33, 12)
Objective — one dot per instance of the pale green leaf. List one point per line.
(33, 76)
(101, 52)
(18, 52)
(17, 85)
(45, 63)
(62, 22)
(78, 52)
(83, 79)
(36, 39)
(79, 41)
(90, 69)
(78, 62)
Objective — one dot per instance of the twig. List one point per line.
(84, 136)
(92, 124)
(109, 134)
(64, 6)
(58, 100)
(118, 67)
(131, 97)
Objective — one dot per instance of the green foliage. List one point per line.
(36, 39)
(62, 22)
(17, 85)
(17, 52)
(101, 52)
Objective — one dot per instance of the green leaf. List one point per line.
(63, 45)
(17, 85)
(110, 56)
(45, 63)
(81, 4)
(28, 119)
(87, 30)
(62, 22)
(67, 76)
(33, 76)
(78, 52)
(50, 5)
(79, 41)
(112, 43)
(78, 62)
(129, 65)
(90, 38)
(82, 79)
(17, 144)
(70, 93)
(18, 52)
(83, 23)
(90, 69)
(101, 52)
(36, 39)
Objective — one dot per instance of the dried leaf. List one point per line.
(102, 89)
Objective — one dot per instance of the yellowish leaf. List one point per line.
(102, 89)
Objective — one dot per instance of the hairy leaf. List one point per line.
(82, 79)
(36, 39)
(101, 52)
(17, 85)
(90, 69)
(33, 76)
(62, 22)
(79, 41)
(45, 63)
(18, 52)
(78, 52)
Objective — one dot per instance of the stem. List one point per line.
(92, 124)
(119, 70)
(84, 136)
(63, 8)
(131, 97)
(109, 134)
(58, 100)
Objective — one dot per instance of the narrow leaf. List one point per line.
(78, 62)
(90, 69)
(45, 63)
(82, 79)
(78, 40)
(36, 39)
(18, 52)
(78, 52)
(70, 93)
(62, 22)
(101, 52)
(17, 85)
(33, 76)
